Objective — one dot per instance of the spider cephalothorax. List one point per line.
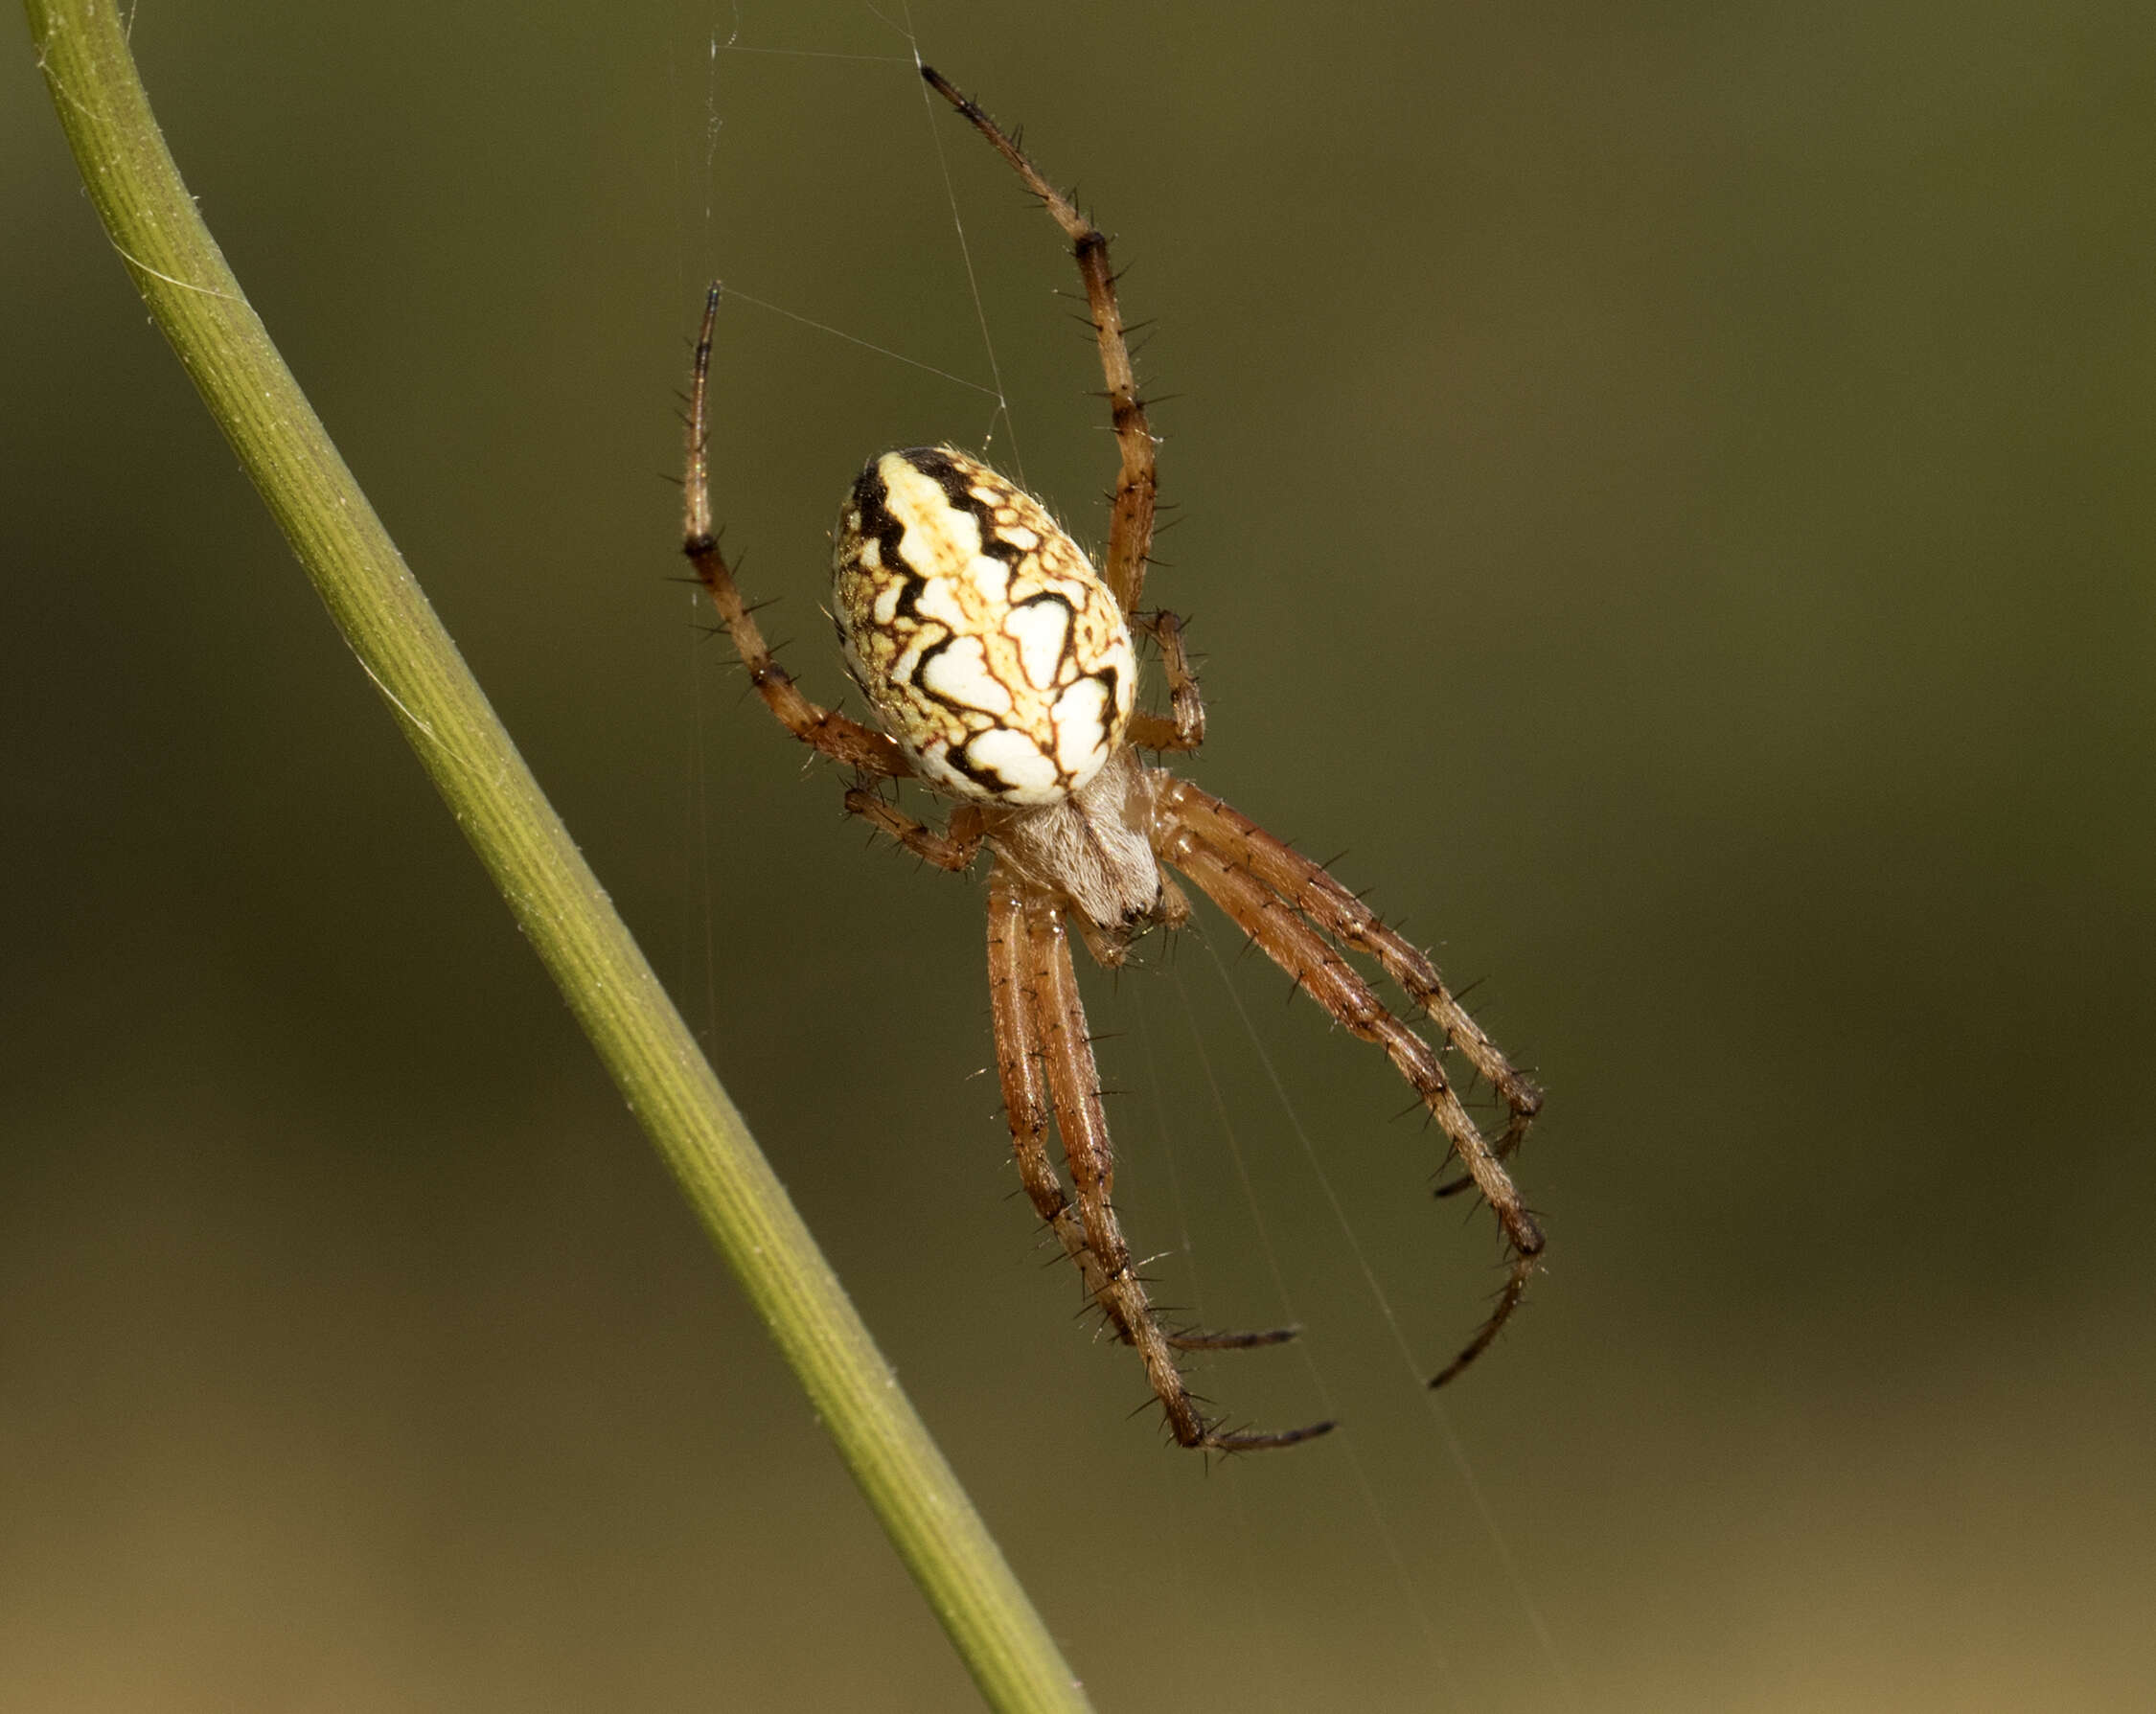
(1001, 668)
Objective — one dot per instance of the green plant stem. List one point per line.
(153, 223)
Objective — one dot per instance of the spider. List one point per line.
(1003, 673)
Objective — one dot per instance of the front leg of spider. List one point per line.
(825, 730)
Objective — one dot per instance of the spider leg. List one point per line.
(1508, 1298)
(1045, 1062)
(1185, 727)
(1130, 537)
(1297, 947)
(1011, 1001)
(1313, 891)
(954, 849)
(828, 731)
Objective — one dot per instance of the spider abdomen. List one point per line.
(989, 648)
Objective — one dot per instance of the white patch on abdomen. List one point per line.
(1042, 627)
(958, 672)
(1029, 776)
(1081, 720)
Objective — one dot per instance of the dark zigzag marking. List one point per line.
(944, 471)
(979, 772)
(872, 501)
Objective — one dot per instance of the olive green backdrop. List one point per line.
(1668, 489)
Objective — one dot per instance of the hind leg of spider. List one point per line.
(1283, 935)
(1508, 1298)
(824, 729)
(1011, 1002)
(1311, 889)
(1045, 1064)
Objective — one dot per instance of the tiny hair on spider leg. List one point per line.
(1002, 670)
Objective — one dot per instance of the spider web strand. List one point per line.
(1454, 1450)
(1441, 1661)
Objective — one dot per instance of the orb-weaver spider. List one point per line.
(1002, 671)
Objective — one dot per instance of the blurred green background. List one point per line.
(1667, 488)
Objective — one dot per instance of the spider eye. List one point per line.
(988, 646)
